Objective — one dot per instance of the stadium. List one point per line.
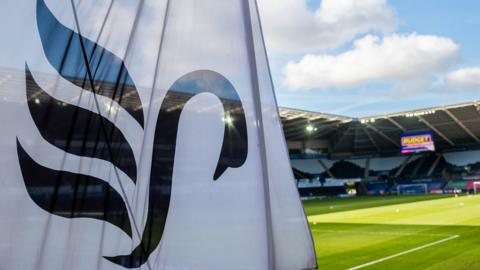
(371, 205)
(239, 135)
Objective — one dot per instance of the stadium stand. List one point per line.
(345, 169)
(335, 152)
(302, 175)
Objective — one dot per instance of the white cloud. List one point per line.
(393, 57)
(289, 26)
(465, 78)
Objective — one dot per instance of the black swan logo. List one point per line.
(85, 133)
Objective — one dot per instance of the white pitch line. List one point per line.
(404, 252)
(383, 233)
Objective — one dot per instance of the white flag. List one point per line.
(143, 135)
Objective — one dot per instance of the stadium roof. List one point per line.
(456, 127)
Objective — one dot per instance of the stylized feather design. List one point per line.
(78, 131)
(72, 195)
(233, 154)
(63, 48)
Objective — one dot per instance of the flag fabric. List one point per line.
(143, 135)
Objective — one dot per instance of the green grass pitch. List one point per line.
(405, 232)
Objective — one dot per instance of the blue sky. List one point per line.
(457, 19)
(373, 56)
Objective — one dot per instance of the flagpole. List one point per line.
(261, 133)
(264, 51)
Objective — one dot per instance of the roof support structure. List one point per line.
(434, 165)
(402, 167)
(325, 131)
(322, 130)
(366, 173)
(458, 122)
(436, 130)
(355, 136)
(332, 128)
(419, 165)
(371, 139)
(395, 123)
(300, 127)
(326, 169)
(292, 125)
(301, 130)
(338, 138)
(379, 132)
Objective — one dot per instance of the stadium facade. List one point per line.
(340, 155)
